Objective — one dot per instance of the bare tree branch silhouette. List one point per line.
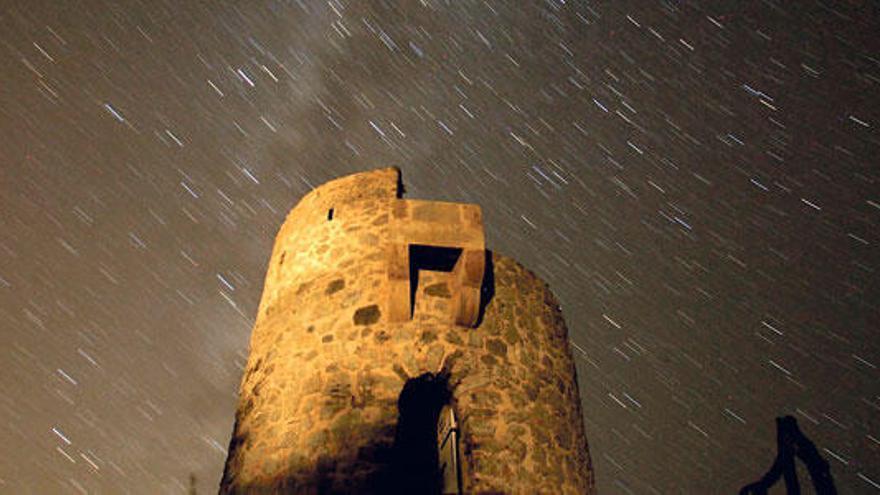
(791, 443)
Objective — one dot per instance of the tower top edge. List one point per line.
(385, 182)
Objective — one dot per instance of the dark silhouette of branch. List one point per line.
(791, 443)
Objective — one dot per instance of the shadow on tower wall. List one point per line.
(409, 465)
(487, 290)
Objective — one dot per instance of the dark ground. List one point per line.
(698, 182)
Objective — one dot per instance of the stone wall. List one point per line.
(320, 398)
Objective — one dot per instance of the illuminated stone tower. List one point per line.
(393, 354)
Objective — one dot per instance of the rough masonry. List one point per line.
(377, 312)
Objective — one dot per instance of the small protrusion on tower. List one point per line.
(446, 226)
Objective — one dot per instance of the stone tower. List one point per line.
(393, 353)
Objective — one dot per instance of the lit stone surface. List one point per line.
(318, 406)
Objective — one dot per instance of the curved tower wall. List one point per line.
(340, 330)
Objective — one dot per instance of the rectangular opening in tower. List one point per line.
(434, 258)
(428, 258)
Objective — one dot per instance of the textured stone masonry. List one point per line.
(333, 346)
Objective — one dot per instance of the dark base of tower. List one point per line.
(410, 465)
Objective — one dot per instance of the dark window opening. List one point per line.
(330, 214)
(434, 258)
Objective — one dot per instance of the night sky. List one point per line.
(697, 182)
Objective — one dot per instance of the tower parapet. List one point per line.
(382, 318)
